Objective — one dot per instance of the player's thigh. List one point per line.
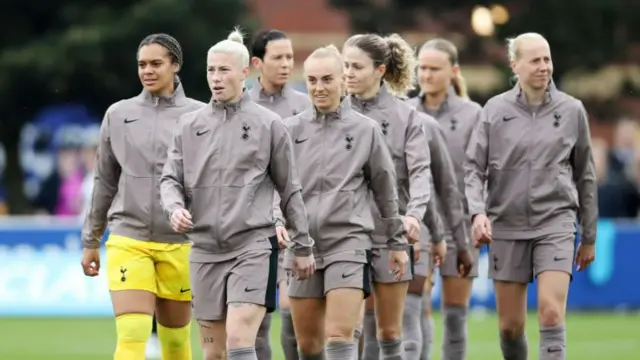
(380, 271)
(421, 271)
(456, 291)
(346, 285)
(251, 289)
(131, 276)
(308, 317)
(511, 268)
(449, 267)
(209, 289)
(553, 265)
(511, 261)
(283, 287)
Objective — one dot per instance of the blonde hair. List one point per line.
(233, 45)
(329, 51)
(513, 44)
(458, 82)
(393, 52)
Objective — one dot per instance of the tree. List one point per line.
(84, 51)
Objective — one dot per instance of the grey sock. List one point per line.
(369, 330)
(288, 336)
(426, 324)
(339, 350)
(553, 343)
(411, 330)
(247, 353)
(391, 350)
(454, 344)
(514, 349)
(357, 334)
(319, 356)
(263, 341)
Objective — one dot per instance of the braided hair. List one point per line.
(168, 42)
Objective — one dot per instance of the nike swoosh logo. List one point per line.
(129, 121)
(556, 258)
(247, 289)
(344, 276)
(508, 118)
(200, 133)
(300, 141)
(184, 290)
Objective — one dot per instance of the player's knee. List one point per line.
(511, 328)
(134, 328)
(173, 339)
(389, 333)
(310, 345)
(550, 314)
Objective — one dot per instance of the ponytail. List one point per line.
(460, 85)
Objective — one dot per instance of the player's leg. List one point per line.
(251, 293)
(456, 293)
(173, 307)
(287, 332)
(307, 305)
(426, 320)
(132, 285)
(553, 261)
(154, 351)
(357, 333)
(412, 334)
(511, 268)
(209, 291)
(390, 295)
(371, 349)
(346, 285)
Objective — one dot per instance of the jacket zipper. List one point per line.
(323, 169)
(220, 174)
(153, 172)
(529, 168)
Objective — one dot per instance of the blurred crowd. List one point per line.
(58, 160)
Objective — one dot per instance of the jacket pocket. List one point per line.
(133, 202)
(203, 204)
(508, 196)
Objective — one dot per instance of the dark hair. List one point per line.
(459, 83)
(262, 39)
(392, 51)
(166, 41)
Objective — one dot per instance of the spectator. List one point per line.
(90, 145)
(624, 146)
(617, 196)
(70, 173)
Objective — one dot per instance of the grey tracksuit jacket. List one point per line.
(538, 166)
(223, 165)
(134, 137)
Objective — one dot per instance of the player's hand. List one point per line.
(481, 230)
(398, 260)
(464, 262)
(438, 253)
(412, 228)
(181, 221)
(91, 262)
(585, 255)
(416, 251)
(283, 237)
(304, 266)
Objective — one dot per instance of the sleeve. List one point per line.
(278, 217)
(475, 165)
(285, 178)
(434, 223)
(584, 176)
(105, 187)
(380, 172)
(446, 186)
(418, 159)
(172, 180)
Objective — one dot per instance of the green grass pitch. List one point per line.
(591, 336)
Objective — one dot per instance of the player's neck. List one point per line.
(269, 87)
(535, 97)
(433, 101)
(370, 93)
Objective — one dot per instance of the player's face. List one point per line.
(278, 62)
(225, 76)
(324, 82)
(534, 66)
(360, 72)
(155, 69)
(434, 71)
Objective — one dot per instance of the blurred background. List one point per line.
(63, 62)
